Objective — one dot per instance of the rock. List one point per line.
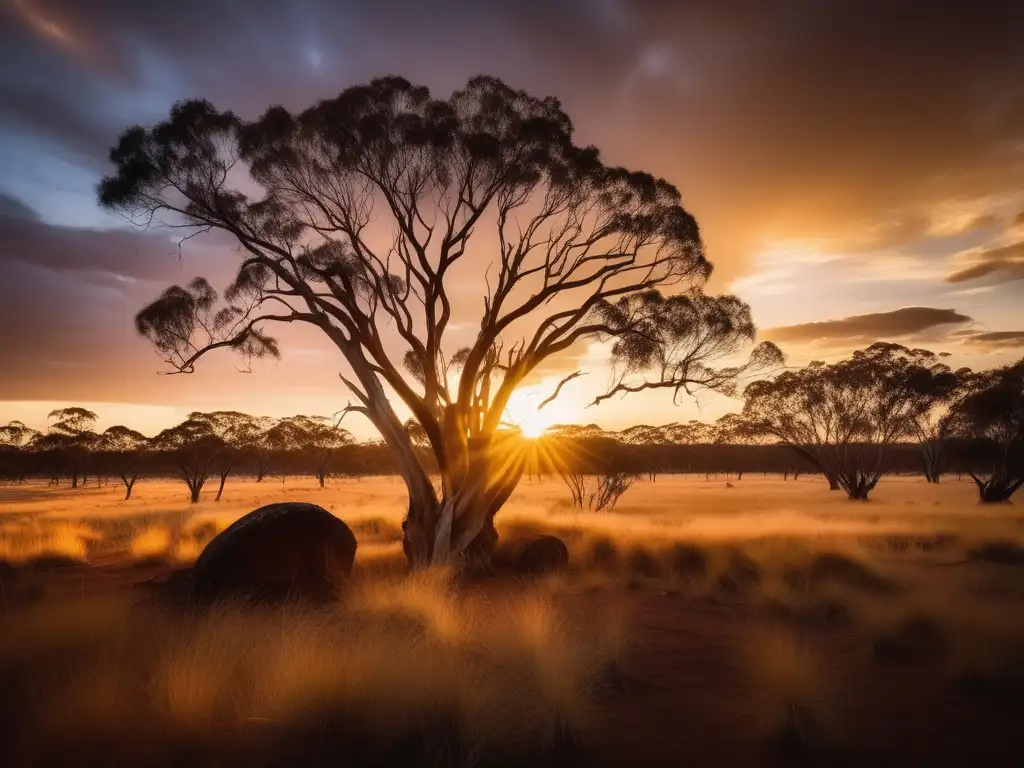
(289, 550)
(546, 554)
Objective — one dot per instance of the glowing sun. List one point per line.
(523, 412)
(535, 424)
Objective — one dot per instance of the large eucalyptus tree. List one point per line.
(376, 215)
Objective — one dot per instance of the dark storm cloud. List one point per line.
(907, 321)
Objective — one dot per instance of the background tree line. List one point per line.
(885, 409)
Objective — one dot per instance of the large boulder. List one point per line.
(543, 555)
(291, 550)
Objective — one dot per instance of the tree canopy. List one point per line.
(993, 410)
(842, 415)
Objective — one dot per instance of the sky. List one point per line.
(855, 166)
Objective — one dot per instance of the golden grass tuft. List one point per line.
(22, 541)
(151, 542)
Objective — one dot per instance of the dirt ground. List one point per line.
(763, 622)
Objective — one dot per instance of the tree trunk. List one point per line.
(74, 479)
(833, 482)
(220, 488)
(321, 477)
(998, 488)
(858, 484)
(476, 482)
(129, 484)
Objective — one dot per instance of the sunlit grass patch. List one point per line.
(151, 542)
(33, 539)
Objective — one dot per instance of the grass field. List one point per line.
(699, 624)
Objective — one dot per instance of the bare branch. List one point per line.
(558, 389)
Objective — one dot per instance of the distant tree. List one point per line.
(237, 433)
(934, 422)
(731, 431)
(843, 417)
(353, 217)
(15, 440)
(193, 450)
(257, 445)
(72, 421)
(992, 412)
(316, 438)
(692, 432)
(70, 440)
(124, 451)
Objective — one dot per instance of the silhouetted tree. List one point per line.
(254, 442)
(236, 433)
(15, 440)
(125, 452)
(70, 439)
(933, 424)
(733, 431)
(992, 411)
(843, 417)
(315, 437)
(364, 206)
(193, 450)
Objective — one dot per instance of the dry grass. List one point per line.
(32, 539)
(403, 672)
(786, 700)
(151, 542)
(413, 669)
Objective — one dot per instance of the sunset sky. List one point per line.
(856, 166)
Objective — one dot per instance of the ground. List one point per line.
(754, 621)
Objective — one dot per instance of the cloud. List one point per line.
(981, 221)
(1007, 344)
(907, 321)
(12, 207)
(1007, 262)
(892, 233)
(784, 131)
(994, 339)
(94, 254)
(1008, 271)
